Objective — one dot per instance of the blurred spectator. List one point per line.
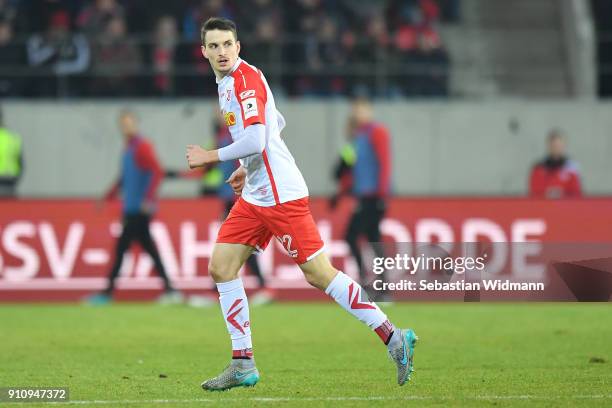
(556, 176)
(260, 23)
(12, 59)
(202, 11)
(8, 10)
(116, 61)
(34, 16)
(163, 55)
(431, 76)
(94, 18)
(310, 47)
(55, 55)
(11, 160)
(370, 48)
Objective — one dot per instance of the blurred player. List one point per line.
(556, 176)
(139, 180)
(273, 203)
(11, 160)
(365, 168)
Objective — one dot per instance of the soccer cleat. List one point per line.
(402, 352)
(98, 299)
(170, 297)
(239, 373)
(262, 297)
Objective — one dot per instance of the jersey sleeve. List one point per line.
(251, 93)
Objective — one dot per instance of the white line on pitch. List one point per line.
(314, 399)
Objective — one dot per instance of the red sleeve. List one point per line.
(146, 160)
(380, 141)
(251, 94)
(113, 192)
(536, 182)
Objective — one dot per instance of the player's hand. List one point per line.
(199, 157)
(237, 179)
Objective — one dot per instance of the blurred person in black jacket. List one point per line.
(12, 61)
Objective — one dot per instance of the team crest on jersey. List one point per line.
(230, 118)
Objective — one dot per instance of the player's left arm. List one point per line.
(381, 144)
(147, 160)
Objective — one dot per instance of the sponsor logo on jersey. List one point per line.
(249, 107)
(247, 94)
(229, 95)
(230, 118)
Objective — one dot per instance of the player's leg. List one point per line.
(123, 244)
(350, 295)
(294, 225)
(143, 236)
(351, 236)
(373, 213)
(225, 263)
(239, 235)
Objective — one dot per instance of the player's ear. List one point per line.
(204, 52)
(237, 47)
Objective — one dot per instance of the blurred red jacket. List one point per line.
(555, 178)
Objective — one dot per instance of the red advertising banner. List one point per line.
(62, 249)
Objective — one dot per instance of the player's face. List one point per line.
(128, 125)
(556, 147)
(221, 50)
(361, 113)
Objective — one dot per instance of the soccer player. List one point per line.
(140, 177)
(273, 203)
(367, 163)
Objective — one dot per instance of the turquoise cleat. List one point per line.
(99, 299)
(402, 352)
(239, 373)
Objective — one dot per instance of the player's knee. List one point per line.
(220, 272)
(314, 279)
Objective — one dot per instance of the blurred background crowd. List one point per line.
(114, 48)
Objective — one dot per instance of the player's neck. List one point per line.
(219, 75)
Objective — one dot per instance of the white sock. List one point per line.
(235, 308)
(351, 296)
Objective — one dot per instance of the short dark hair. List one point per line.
(218, 23)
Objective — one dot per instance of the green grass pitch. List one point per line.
(475, 354)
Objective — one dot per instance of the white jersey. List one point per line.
(272, 176)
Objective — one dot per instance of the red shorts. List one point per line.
(291, 223)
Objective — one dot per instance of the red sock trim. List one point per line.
(384, 331)
(244, 353)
